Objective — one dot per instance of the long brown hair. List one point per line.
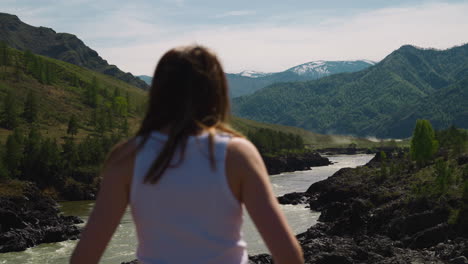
(189, 94)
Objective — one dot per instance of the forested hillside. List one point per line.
(59, 120)
(384, 100)
(61, 46)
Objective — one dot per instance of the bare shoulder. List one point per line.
(243, 156)
(241, 147)
(122, 153)
(120, 162)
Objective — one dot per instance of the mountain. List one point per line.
(254, 74)
(61, 46)
(319, 69)
(247, 82)
(383, 100)
(147, 79)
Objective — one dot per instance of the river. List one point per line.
(123, 243)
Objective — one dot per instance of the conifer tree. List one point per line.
(28, 61)
(17, 72)
(72, 126)
(75, 81)
(127, 96)
(4, 57)
(116, 92)
(12, 159)
(70, 153)
(92, 93)
(31, 152)
(10, 115)
(30, 108)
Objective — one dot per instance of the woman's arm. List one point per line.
(110, 205)
(245, 163)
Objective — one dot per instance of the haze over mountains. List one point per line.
(61, 46)
(384, 100)
(247, 82)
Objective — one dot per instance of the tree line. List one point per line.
(269, 141)
(32, 157)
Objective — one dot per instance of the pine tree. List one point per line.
(92, 93)
(10, 115)
(49, 162)
(30, 108)
(32, 154)
(47, 73)
(128, 101)
(17, 72)
(423, 143)
(75, 81)
(70, 153)
(28, 61)
(4, 58)
(72, 126)
(12, 159)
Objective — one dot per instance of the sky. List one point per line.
(263, 35)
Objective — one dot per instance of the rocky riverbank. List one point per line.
(294, 162)
(28, 218)
(368, 216)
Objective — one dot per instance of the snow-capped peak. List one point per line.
(253, 74)
(369, 61)
(319, 66)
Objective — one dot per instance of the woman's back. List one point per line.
(187, 213)
(190, 215)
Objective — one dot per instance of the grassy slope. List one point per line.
(59, 101)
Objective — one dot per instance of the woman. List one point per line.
(186, 176)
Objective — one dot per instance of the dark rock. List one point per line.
(368, 221)
(294, 198)
(135, 261)
(33, 219)
(260, 259)
(329, 258)
(294, 162)
(459, 260)
(429, 237)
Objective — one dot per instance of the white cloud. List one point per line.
(370, 35)
(236, 13)
(134, 35)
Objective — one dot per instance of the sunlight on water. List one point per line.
(123, 243)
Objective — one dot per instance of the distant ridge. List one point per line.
(147, 79)
(384, 100)
(248, 81)
(61, 46)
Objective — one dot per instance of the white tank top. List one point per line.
(190, 215)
